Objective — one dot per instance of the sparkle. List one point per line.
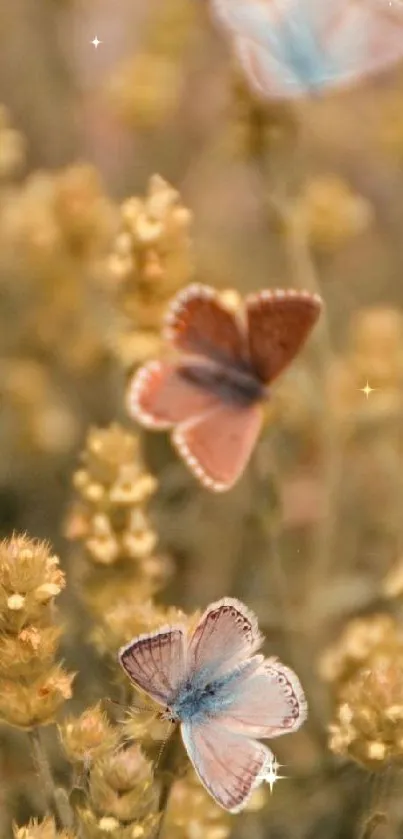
(272, 776)
(367, 389)
(96, 42)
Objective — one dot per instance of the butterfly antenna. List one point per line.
(137, 708)
(163, 747)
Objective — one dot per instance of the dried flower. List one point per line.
(32, 687)
(113, 487)
(330, 213)
(364, 670)
(107, 827)
(88, 737)
(192, 814)
(146, 89)
(41, 830)
(121, 792)
(356, 645)
(369, 719)
(151, 260)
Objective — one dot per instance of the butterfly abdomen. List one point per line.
(233, 386)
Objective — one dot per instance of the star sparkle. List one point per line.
(271, 777)
(96, 42)
(367, 389)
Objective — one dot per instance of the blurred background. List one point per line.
(128, 169)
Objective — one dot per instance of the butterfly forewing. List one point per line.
(225, 636)
(279, 323)
(266, 702)
(256, 19)
(199, 324)
(161, 394)
(230, 766)
(217, 447)
(156, 662)
(269, 78)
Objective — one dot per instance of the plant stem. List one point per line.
(167, 770)
(304, 276)
(55, 796)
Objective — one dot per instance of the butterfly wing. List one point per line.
(198, 323)
(267, 76)
(264, 701)
(255, 19)
(279, 323)
(161, 394)
(368, 39)
(217, 446)
(296, 47)
(225, 637)
(229, 766)
(156, 663)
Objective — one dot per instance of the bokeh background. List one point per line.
(128, 170)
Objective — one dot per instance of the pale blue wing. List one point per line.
(302, 47)
(156, 662)
(228, 765)
(255, 19)
(264, 702)
(266, 75)
(368, 40)
(225, 637)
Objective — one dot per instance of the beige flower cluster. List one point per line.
(366, 676)
(33, 686)
(151, 260)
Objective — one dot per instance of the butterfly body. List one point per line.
(222, 695)
(203, 695)
(230, 383)
(211, 396)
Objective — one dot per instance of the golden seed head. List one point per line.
(369, 718)
(29, 652)
(26, 706)
(122, 785)
(87, 737)
(45, 829)
(331, 213)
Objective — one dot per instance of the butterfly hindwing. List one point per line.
(217, 447)
(229, 766)
(267, 702)
(156, 662)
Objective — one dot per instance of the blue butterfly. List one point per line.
(292, 48)
(222, 693)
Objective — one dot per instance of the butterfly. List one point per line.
(222, 694)
(212, 396)
(292, 48)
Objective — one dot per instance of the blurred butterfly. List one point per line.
(292, 48)
(212, 396)
(222, 694)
